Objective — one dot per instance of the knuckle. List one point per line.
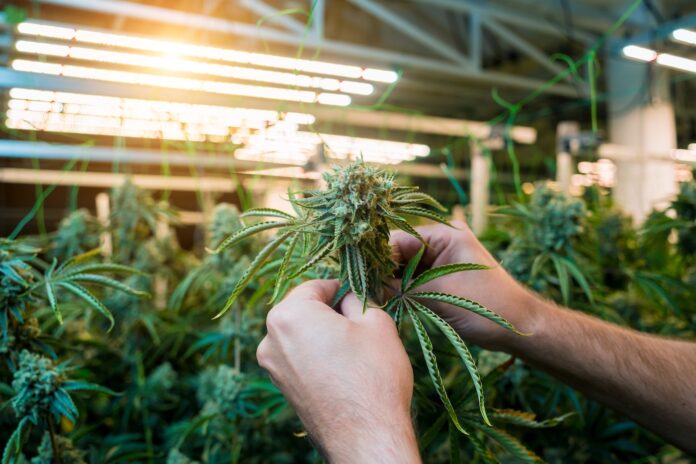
(383, 319)
(279, 320)
(263, 353)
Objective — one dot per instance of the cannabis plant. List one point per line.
(77, 233)
(42, 397)
(40, 387)
(349, 223)
(545, 247)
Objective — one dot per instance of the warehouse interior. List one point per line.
(201, 102)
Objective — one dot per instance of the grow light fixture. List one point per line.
(183, 83)
(676, 62)
(170, 57)
(174, 63)
(30, 109)
(639, 53)
(685, 36)
(664, 59)
(263, 135)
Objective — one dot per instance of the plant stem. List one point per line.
(54, 445)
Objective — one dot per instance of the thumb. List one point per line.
(352, 308)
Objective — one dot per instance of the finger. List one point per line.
(322, 291)
(436, 236)
(352, 308)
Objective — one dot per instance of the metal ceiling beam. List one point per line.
(352, 117)
(64, 152)
(517, 18)
(364, 53)
(111, 179)
(658, 33)
(270, 14)
(57, 152)
(408, 28)
(586, 16)
(522, 45)
(318, 12)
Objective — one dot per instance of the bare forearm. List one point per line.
(650, 379)
(385, 445)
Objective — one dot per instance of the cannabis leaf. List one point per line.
(72, 273)
(406, 300)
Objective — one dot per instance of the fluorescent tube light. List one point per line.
(177, 48)
(639, 53)
(684, 35)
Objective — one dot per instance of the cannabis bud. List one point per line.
(67, 451)
(557, 218)
(348, 222)
(35, 382)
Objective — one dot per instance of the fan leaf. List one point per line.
(411, 267)
(280, 275)
(461, 349)
(441, 271)
(433, 370)
(267, 212)
(251, 271)
(246, 232)
(90, 299)
(469, 305)
(109, 282)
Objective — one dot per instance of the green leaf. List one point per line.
(353, 271)
(441, 271)
(74, 385)
(411, 268)
(418, 198)
(579, 278)
(280, 275)
(402, 224)
(88, 297)
(100, 267)
(316, 255)
(253, 268)
(526, 419)
(510, 443)
(362, 274)
(481, 450)
(342, 291)
(461, 349)
(50, 292)
(424, 213)
(433, 370)
(14, 444)
(266, 212)
(563, 277)
(109, 282)
(77, 259)
(469, 305)
(245, 233)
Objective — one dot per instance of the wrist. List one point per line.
(387, 440)
(530, 320)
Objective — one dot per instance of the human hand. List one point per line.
(347, 375)
(493, 288)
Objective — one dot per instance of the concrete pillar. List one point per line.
(567, 133)
(480, 182)
(641, 118)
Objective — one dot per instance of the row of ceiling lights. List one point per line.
(263, 135)
(665, 59)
